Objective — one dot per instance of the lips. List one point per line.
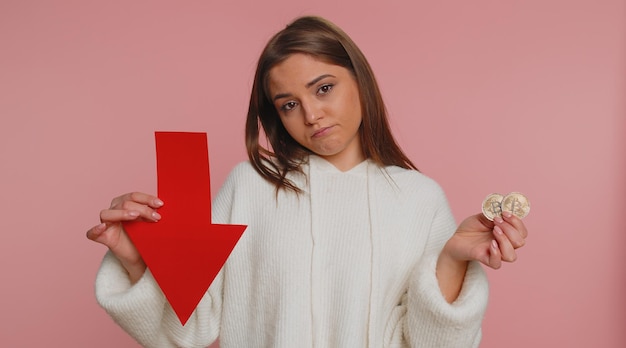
(321, 132)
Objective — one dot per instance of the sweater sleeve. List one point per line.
(431, 321)
(143, 311)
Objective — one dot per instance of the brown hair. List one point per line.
(325, 41)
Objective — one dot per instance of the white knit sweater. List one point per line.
(348, 263)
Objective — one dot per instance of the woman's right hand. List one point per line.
(110, 232)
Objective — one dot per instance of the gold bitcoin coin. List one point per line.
(517, 204)
(492, 206)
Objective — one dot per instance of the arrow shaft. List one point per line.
(183, 175)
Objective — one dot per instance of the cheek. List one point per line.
(291, 126)
(355, 112)
(355, 104)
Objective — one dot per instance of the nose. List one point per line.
(312, 113)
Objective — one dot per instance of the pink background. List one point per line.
(485, 96)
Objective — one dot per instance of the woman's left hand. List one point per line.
(489, 242)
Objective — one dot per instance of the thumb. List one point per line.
(98, 234)
(96, 231)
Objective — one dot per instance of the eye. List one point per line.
(324, 89)
(288, 106)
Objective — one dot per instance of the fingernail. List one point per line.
(133, 213)
(158, 202)
(507, 214)
(494, 244)
(156, 216)
(498, 230)
(498, 219)
(101, 227)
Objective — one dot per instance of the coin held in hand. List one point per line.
(517, 204)
(514, 203)
(492, 206)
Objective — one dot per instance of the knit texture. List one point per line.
(348, 263)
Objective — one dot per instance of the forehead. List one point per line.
(299, 69)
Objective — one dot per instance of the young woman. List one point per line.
(347, 244)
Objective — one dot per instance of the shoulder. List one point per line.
(242, 170)
(412, 180)
(242, 186)
(243, 176)
(408, 188)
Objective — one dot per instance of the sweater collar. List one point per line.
(322, 165)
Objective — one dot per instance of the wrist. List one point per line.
(451, 266)
(135, 270)
(450, 274)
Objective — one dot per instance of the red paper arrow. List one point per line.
(184, 250)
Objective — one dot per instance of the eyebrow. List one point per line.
(308, 85)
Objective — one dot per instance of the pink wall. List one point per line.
(485, 96)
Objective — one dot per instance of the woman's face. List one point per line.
(318, 103)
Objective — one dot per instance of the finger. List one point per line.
(145, 212)
(130, 211)
(116, 215)
(515, 222)
(96, 231)
(495, 258)
(137, 197)
(515, 237)
(507, 250)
